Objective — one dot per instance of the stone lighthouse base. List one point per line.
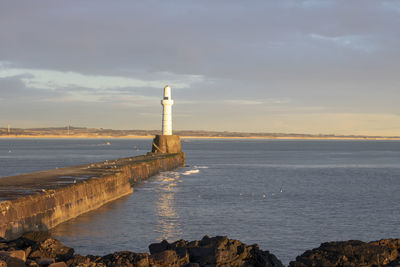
(167, 144)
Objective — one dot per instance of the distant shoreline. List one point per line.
(196, 137)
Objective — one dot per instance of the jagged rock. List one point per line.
(264, 258)
(126, 258)
(165, 258)
(45, 261)
(191, 265)
(58, 264)
(351, 253)
(28, 251)
(390, 243)
(11, 261)
(51, 248)
(36, 237)
(78, 259)
(85, 261)
(90, 264)
(395, 263)
(29, 239)
(31, 263)
(159, 247)
(19, 254)
(217, 251)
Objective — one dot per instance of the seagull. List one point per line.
(264, 195)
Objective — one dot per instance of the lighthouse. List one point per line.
(167, 103)
(166, 142)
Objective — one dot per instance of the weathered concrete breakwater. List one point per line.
(42, 200)
(39, 249)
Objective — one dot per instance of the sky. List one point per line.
(286, 66)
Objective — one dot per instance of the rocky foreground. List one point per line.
(40, 249)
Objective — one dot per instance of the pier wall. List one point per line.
(46, 209)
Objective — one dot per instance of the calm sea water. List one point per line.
(287, 196)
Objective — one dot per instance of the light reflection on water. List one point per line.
(168, 226)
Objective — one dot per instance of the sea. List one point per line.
(287, 196)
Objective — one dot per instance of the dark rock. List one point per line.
(51, 248)
(58, 264)
(15, 262)
(390, 243)
(395, 263)
(217, 251)
(264, 258)
(3, 246)
(31, 238)
(6, 260)
(45, 261)
(25, 241)
(179, 247)
(36, 237)
(79, 260)
(350, 254)
(125, 258)
(191, 265)
(19, 254)
(165, 258)
(158, 247)
(43, 250)
(28, 251)
(31, 263)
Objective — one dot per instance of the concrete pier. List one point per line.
(42, 200)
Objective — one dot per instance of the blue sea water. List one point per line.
(286, 195)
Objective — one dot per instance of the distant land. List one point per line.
(83, 132)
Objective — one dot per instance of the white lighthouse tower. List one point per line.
(167, 103)
(166, 142)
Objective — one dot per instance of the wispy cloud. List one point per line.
(243, 102)
(306, 4)
(257, 102)
(356, 42)
(53, 80)
(103, 96)
(51, 86)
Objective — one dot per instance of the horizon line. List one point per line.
(259, 134)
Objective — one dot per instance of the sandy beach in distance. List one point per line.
(193, 137)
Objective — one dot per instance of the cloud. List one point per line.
(45, 87)
(306, 4)
(244, 102)
(53, 80)
(257, 102)
(356, 42)
(13, 90)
